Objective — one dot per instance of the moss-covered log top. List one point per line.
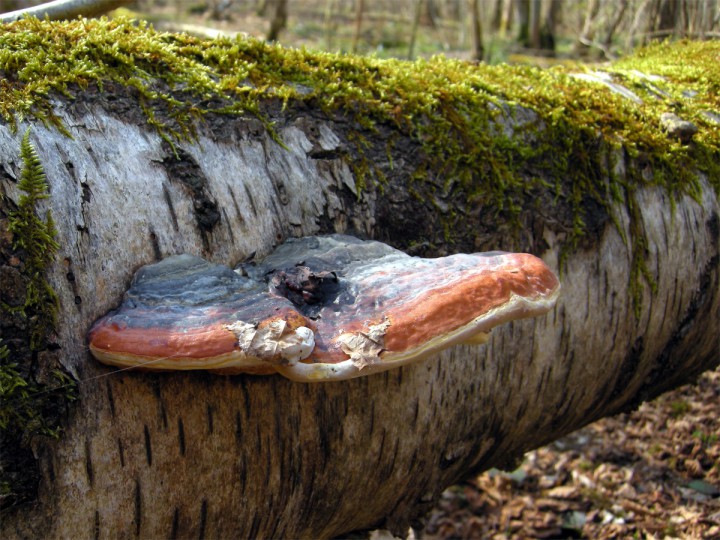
(463, 116)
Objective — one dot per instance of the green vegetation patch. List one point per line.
(436, 100)
(34, 389)
(462, 115)
(35, 236)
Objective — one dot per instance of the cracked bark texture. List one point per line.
(174, 455)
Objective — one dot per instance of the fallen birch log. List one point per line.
(175, 454)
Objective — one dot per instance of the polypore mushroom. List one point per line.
(318, 308)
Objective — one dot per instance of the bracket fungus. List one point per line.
(317, 309)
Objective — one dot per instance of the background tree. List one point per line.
(357, 27)
(546, 27)
(476, 35)
(278, 21)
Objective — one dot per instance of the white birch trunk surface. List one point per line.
(197, 455)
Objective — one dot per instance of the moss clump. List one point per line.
(444, 103)
(459, 114)
(34, 390)
(36, 237)
(28, 410)
(22, 413)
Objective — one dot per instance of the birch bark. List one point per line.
(191, 454)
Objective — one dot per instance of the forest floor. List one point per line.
(650, 474)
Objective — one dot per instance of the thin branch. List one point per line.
(605, 50)
(65, 9)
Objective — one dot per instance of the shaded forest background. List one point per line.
(494, 31)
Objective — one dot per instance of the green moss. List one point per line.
(33, 391)
(451, 108)
(35, 236)
(679, 408)
(24, 400)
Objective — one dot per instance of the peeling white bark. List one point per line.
(188, 454)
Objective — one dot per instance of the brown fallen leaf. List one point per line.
(563, 492)
(629, 476)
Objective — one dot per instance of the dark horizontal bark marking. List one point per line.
(111, 399)
(203, 519)
(175, 524)
(238, 213)
(51, 470)
(96, 530)
(371, 422)
(210, 418)
(163, 415)
(280, 191)
(255, 527)
(238, 428)
(229, 226)
(258, 438)
(181, 167)
(88, 462)
(171, 208)
(181, 436)
(243, 473)
(250, 200)
(157, 252)
(381, 452)
(138, 508)
(388, 466)
(70, 169)
(416, 411)
(148, 446)
(329, 155)
(121, 452)
(71, 279)
(246, 399)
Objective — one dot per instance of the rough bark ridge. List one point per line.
(191, 454)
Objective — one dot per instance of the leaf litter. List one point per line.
(651, 474)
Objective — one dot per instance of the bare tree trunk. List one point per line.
(219, 10)
(359, 12)
(551, 15)
(615, 21)
(698, 18)
(476, 47)
(695, 18)
(498, 7)
(279, 20)
(429, 14)
(330, 26)
(262, 7)
(639, 22)
(667, 16)
(523, 14)
(453, 9)
(534, 23)
(507, 18)
(582, 45)
(414, 29)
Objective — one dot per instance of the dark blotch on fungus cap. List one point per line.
(318, 308)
